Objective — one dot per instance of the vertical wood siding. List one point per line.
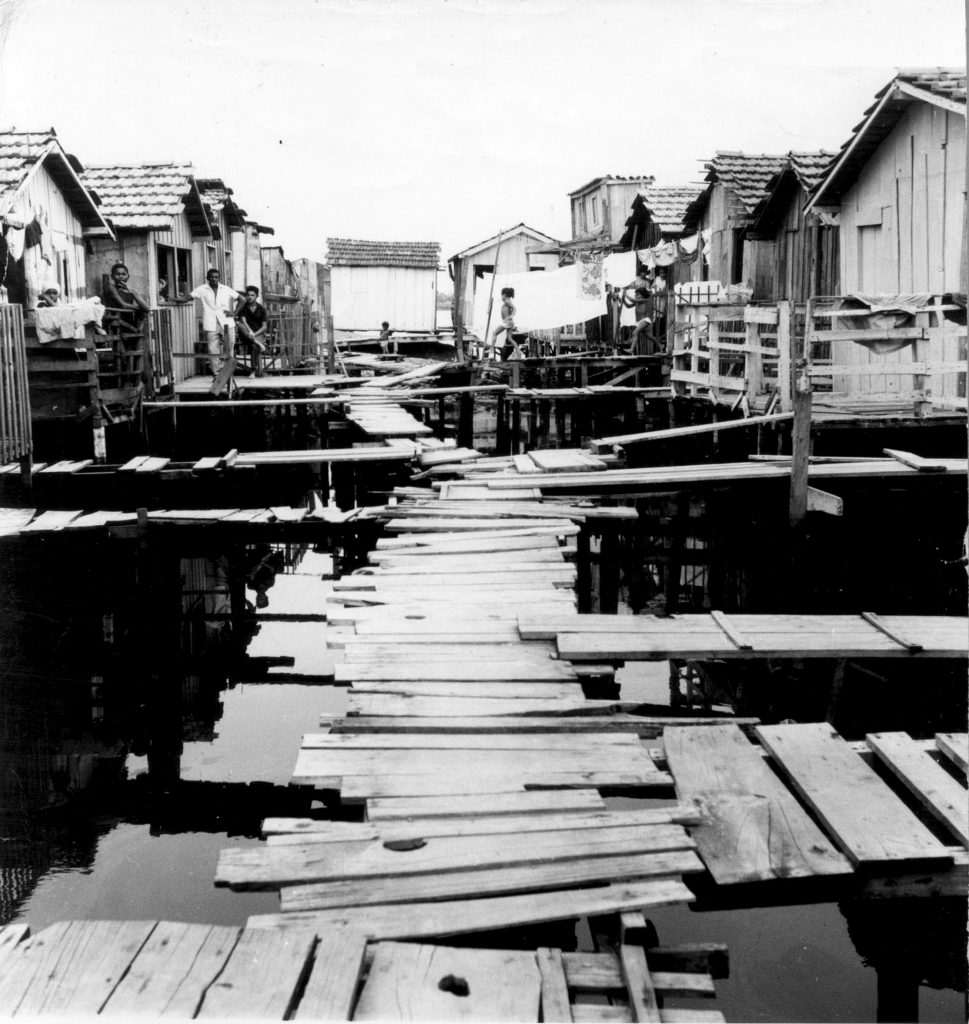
(363, 297)
(43, 193)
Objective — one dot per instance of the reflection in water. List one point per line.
(115, 676)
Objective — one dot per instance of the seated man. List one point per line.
(253, 323)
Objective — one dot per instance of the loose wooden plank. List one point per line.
(71, 968)
(555, 989)
(532, 802)
(11, 936)
(934, 788)
(955, 746)
(916, 461)
(431, 920)
(409, 982)
(51, 522)
(639, 985)
(625, 741)
(172, 971)
(602, 973)
(534, 877)
(457, 525)
(270, 867)
(495, 671)
(13, 520)
(391, 704)
(439, 688)
(867, 820)
(753, 827)
(335, 831)
(736, 637)
(331, 989)
(153, 464)
(565, 460)
(594, 1013)
(262, 976)
(499, 539)
(879, 623)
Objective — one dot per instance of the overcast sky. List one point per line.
(445, 120)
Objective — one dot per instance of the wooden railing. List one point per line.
(736, 355)
(15, 434)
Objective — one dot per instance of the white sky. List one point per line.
(446, 120)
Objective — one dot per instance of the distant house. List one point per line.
(376, 281)
(517, 255)
(163, 233)
(659, 215)
(231, 236)
(737, 182)
(898, 186)
(600, 208)
(805, 253)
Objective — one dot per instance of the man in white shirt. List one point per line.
(218, 304)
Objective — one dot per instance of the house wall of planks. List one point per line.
(806, 258)
(15, 433)
(363, 297)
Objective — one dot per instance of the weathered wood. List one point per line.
(409, 982)
(71, 968)
(390, 704)
(883, 627)
(916, 461)
(601, 973)
(173, 970)
(465, 689)
(270, 867)
(533, 802)
(262, 976)
(331, 989)
(51, 522)
(868, 822)
(555, 989)
(753, 828)
(497, 670)
(624, 741)
(934, 788)
(430, 920)
(955, 746)
(736, 637)
(824, 501)
(534, 877)
(639, 985)
(334, 831)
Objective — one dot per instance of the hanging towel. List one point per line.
(665, 254)
(620, 268)
(590, 279)
(88, 311)
(647, 258)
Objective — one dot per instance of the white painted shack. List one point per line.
(373, 282)
(514, 255)
(898, 191)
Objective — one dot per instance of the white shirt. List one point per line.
(217, 306)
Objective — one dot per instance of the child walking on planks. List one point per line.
(507, 324)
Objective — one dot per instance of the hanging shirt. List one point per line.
(217, 306)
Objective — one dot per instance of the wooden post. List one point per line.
(501, 426)
(485, 341)
(457, 311)
(785, 338)
(800, 433)
(328, 322)
(466, 421)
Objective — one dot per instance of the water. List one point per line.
(144, 729)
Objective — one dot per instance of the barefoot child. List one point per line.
(507, 321)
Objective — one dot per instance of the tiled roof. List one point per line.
(18, 153)
(141, 196)
(667, 206)
(945, 87)
(645, 178)
(746, 175)
(810, 168)
(802, 171)
(352, 252)
(214, 191)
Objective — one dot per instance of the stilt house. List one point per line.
(48, 216)
(518, 253)
(163, 232)
(376, 281)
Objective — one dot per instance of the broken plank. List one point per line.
(331, 989)
(867, 820)
(753, 828)
(262, 976)
(955, 746)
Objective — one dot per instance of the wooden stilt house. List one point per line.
(48, 217)
(163, 233)
(898, 191)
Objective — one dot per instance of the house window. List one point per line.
(595, 211)
(228, 266)
(211, 263)
(174, 274)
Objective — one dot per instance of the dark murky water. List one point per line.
(146, 724)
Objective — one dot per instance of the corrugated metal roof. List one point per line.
(945, 87)
(354, 252)
(141, 196)
(667, 206)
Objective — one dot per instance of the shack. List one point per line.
(509, 252)
(897, 187)
(48, 214)
(227, 251)
(806, 252)
(599, 208)
(374, 282)
(163, 232)
(736, 184)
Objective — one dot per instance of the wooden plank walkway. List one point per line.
(154, 969)
(650, 638)
(754, 829)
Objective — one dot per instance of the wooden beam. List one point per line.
(677, 432)
(824, 501)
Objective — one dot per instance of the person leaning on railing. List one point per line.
(126, 308)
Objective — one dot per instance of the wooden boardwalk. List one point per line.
(154, 969)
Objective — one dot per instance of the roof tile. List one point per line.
(353, 252)
(143, 196)
(667, 206)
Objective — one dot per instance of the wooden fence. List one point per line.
(15, 435)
